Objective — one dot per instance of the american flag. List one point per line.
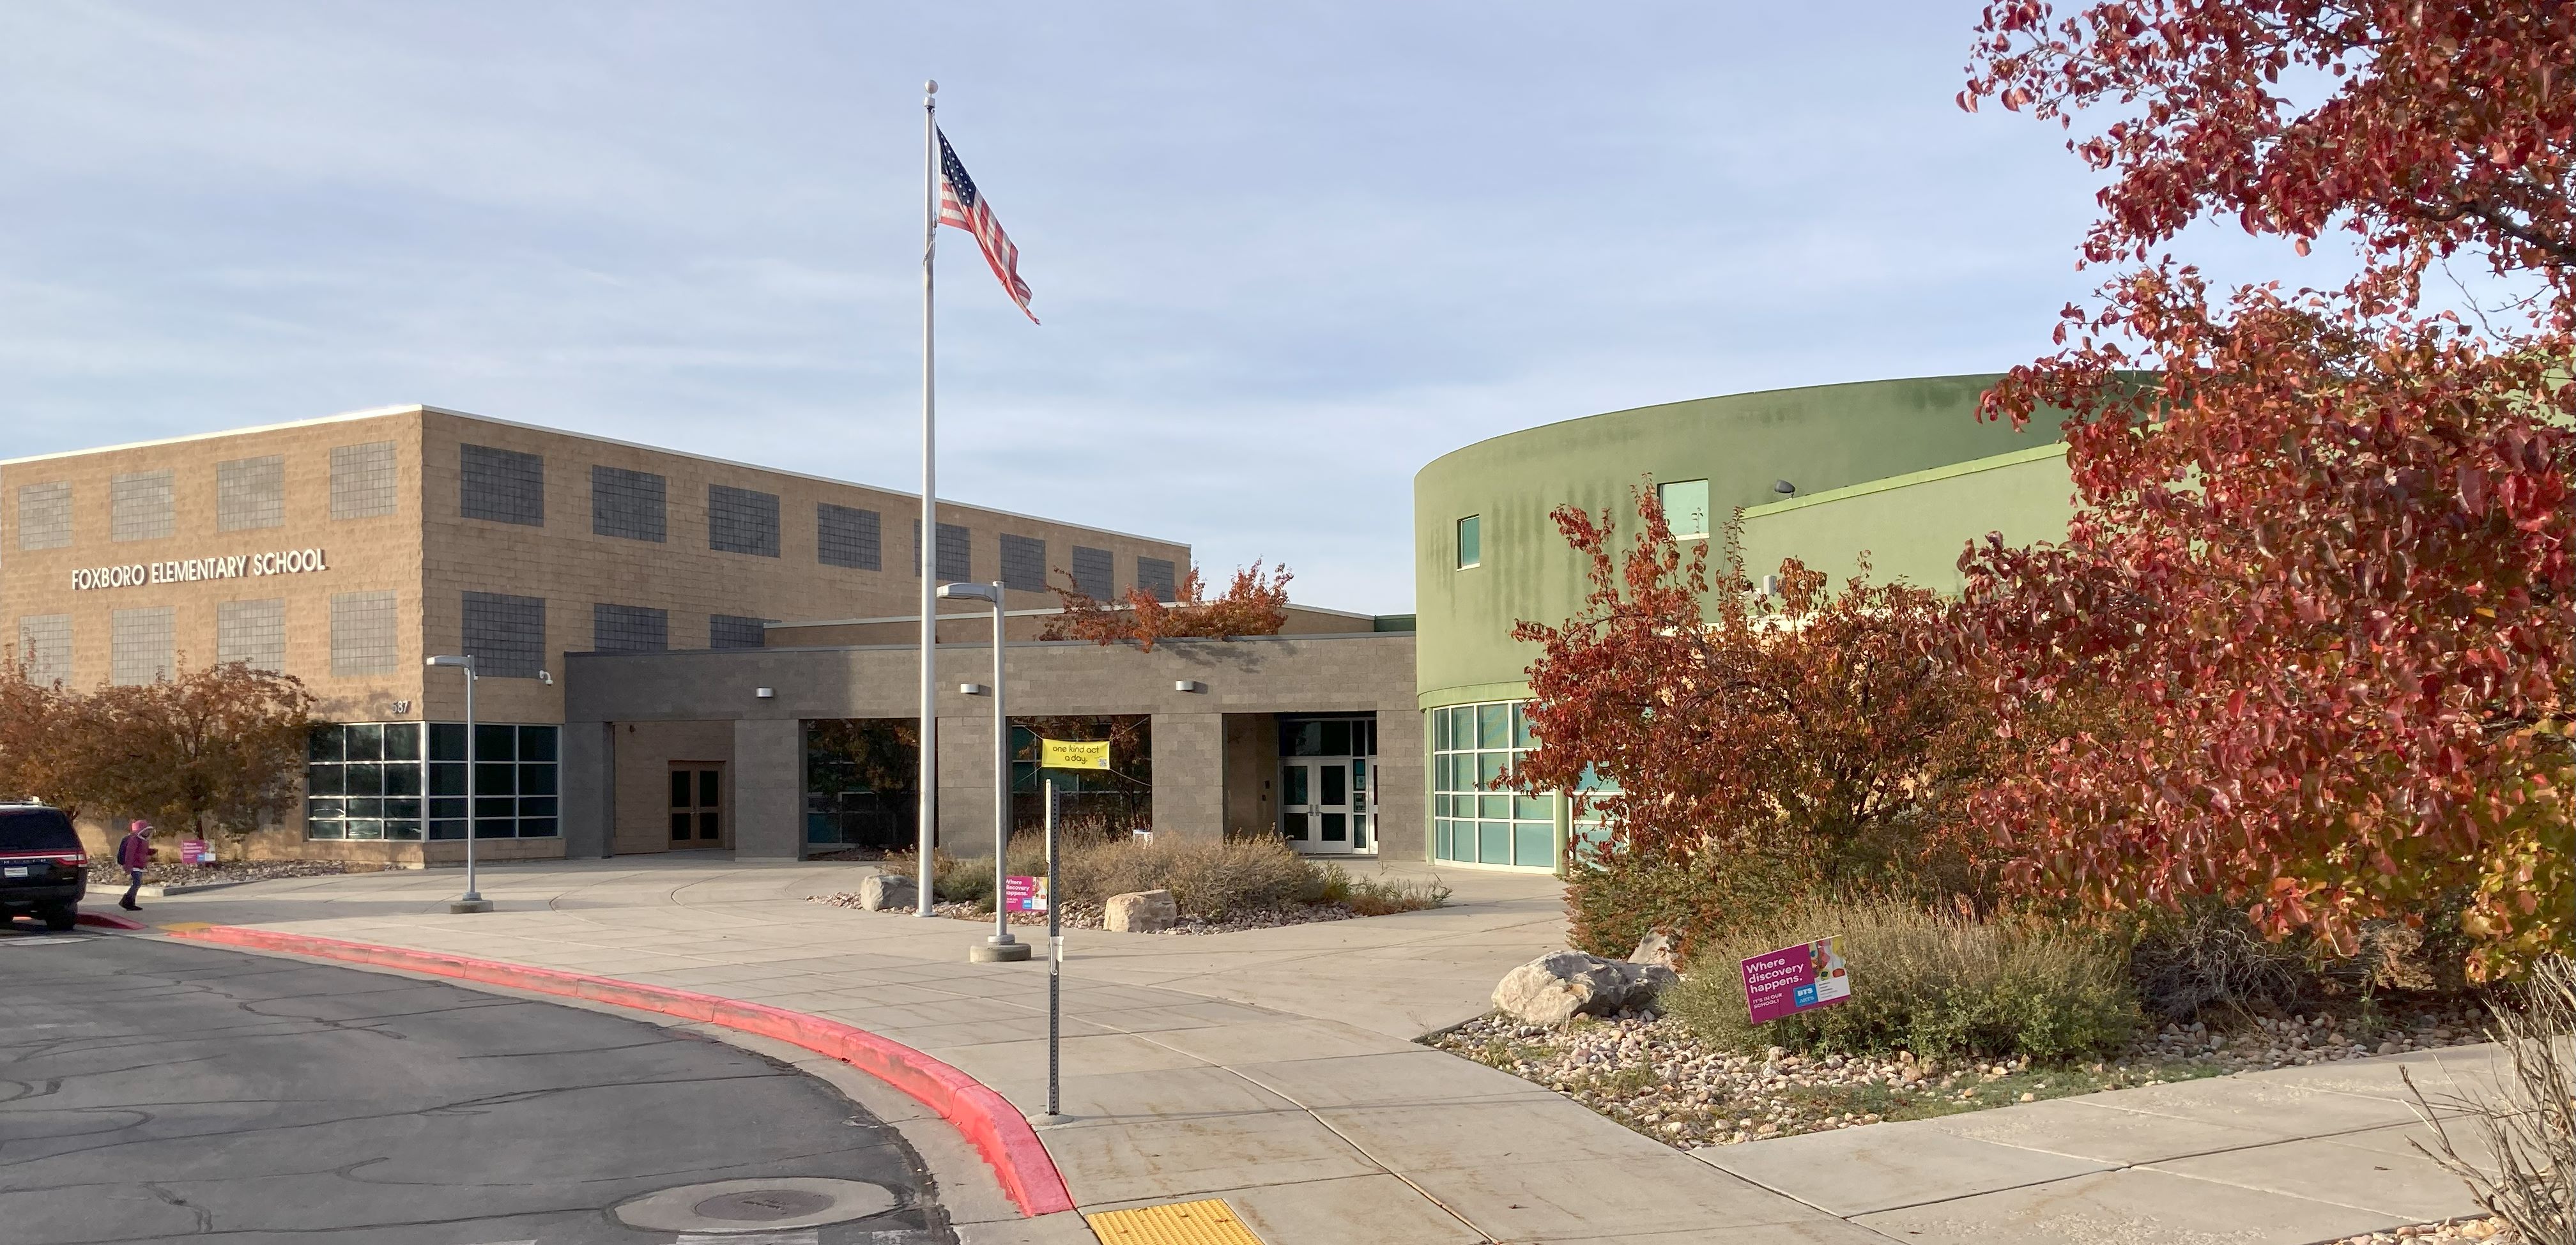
(962, 206)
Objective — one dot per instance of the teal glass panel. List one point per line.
(1494, 842)
(1534, 843)
(1494, 806)
(1471, 540)
(1521, 736)
(1685, 505)
(1534, 808)
(1439, 730)
(1490, 767)
(1493, 725)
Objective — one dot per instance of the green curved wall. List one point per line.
(1840, 444)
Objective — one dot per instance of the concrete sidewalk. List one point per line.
(1276, 1069)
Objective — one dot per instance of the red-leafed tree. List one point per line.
(1744, 749)
(1256, 603)
(2320, 601)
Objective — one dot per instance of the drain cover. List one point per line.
(744, 1205)
(761, 1205)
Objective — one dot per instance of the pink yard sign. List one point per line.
(1795, 979)
(193, 851)
(1024, 895)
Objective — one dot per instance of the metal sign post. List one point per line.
(1055, 962)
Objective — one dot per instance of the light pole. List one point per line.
(473, 901)
(1001, 946)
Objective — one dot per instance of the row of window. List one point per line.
(506, 634)
(375, 780)
(1685, 504)
(250, 493)
(1474, 819)
(508, 486)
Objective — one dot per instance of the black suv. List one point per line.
(43, 868)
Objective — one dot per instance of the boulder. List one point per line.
(1561, 985)
(880, 892)
(1655, 948)
(1140, 912)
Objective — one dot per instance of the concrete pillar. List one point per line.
(1403, 786)
(1189, 775)
(966, 784)
(768, 789)
(585, 775)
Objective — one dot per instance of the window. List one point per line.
(629, 629)
(252, 632)
(362, 480)
(1154, 575)
(139, 506)
(847, 537)
(44, 515)
(503, 486)
(506, 635)
(45, 645)
(513, 793)
(626, 504)
(956, 552)
(1474, 820)
(737, 631)
(366, 633)
(1685, 504)
(1471, 541)
(1024, 563)
(741, 520)
(250, 493)
(363, 781)
(140, 645)
(1095, 573)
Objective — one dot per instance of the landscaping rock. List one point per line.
(1655, 948)
(1140, 912)
(1561, 985)
(884, 891)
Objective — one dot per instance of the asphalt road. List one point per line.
(157, 1091)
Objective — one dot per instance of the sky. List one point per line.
(1284, 255)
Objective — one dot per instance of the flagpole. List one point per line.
(928, 541)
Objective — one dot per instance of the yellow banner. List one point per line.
(1067, 754)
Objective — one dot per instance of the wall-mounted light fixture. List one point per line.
(764, 693)
(1770, 585)
(973, 689)
(1783, 487)
(1188, 685)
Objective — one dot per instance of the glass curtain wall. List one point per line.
(1474, 820)
(374, 780)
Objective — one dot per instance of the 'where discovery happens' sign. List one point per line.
(1795, 979)
(190, 570)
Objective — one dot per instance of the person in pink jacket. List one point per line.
(133, 853)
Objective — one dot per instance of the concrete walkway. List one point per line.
(1276, 1069)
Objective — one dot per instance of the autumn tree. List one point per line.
(1742, 749)
(49, 741)
(2321, 577)
(214, 750)
(1256, 603)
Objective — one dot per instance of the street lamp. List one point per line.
(473, 901)
(1001, 946)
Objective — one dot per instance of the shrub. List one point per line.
(1613, 898)
(1939, 986)
(1207, 878)
(2209, 955)
(2520, 1139)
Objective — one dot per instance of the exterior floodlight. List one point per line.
(472, 900)
(973, 689)
(1783, 486)
(969, 592)
(1188, 685)
(546, 677)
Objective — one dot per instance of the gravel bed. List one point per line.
(2452, 1232)
(1087, 915)
(1656, 1076)
(222, 871)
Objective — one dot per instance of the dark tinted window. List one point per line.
(37, 830)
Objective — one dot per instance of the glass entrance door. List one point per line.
(697, 802)
(1326, 806)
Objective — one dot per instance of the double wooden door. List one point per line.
(697, 804)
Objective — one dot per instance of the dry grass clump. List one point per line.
(1213, 879)
(2525, 1133)
(1935, 985)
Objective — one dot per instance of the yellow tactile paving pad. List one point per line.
(1207, 1222)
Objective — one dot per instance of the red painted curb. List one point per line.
(109, 920)
(991, 1124)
